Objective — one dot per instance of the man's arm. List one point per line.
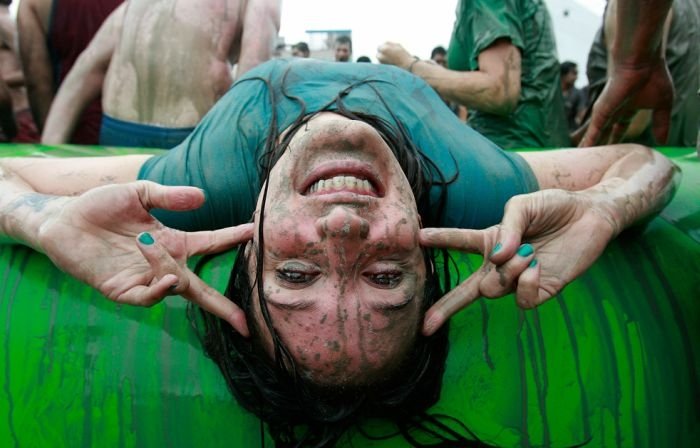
(260, 27)
(8, 125)
(84, 81)
(35, 58)
(494, 88)
(637, 74)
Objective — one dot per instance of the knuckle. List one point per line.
(494, 289)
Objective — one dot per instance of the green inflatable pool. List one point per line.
(612, 361)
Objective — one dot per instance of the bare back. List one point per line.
(173, 60)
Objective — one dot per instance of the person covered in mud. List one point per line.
(160, 66)
(52, 34)
(342, 183)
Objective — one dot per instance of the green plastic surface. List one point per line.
(612, 361)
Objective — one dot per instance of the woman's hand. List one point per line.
(564, 233)
(94, 238)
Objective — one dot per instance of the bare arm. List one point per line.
(627, 182)
(548, 238)
(494, 88)
(640, 29)
(35, 60)
(84, 81)
(26, 183)
(7, 115)
(260, 27)
(106, 236)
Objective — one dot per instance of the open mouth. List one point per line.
(342, 183)
(342, 177)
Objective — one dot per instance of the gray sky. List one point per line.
(418, 26)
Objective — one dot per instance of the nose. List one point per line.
(342, 222)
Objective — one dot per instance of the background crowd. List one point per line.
(144, 72)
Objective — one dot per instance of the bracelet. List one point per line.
(410, 67)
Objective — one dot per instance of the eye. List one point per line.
(388, 280)
(296, 274)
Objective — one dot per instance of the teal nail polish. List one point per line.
(146, 238)
(496, 249)
(533, 263)
(525, 250)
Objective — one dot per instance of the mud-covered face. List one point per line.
(343, 272)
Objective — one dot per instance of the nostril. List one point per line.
(364, 229)
(342, 223)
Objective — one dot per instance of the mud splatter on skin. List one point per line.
(143, 91)
(338, 258)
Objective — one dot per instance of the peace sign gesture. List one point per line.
(107, 238)
(564, 233)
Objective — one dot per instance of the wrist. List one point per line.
(609, 201)
(22, 217)
(623, 57)
(412, 63)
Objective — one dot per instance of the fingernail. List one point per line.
(204, 192)
(533, 263)
(496, 249)
(525, 250)
(146, 238)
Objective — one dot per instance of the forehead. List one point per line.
(347, 344)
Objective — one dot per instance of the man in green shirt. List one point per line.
(503, 67)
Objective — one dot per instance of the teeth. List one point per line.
(341, 182)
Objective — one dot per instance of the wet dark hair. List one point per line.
(298, 411)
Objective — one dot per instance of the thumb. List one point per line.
(153, 195)
(516, 218)
(465, 240)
